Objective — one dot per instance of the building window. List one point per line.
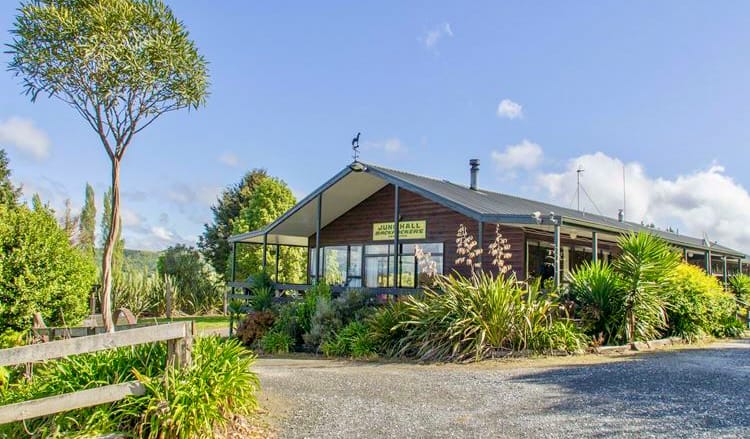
(380, 270)
(373, 265)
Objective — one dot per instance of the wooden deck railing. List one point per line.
(179, 338)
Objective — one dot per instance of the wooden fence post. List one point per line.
(180, 351)
(168, 300)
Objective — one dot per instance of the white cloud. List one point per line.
(230, 159)
(705, 200)
(509, 109)
(525, 155)
(389, 146)
(23, 135)
(162, 233)
(431, 38)
(129, 217)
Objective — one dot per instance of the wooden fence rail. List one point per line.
(179, 338)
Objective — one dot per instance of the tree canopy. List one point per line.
(270, 199)
(213, 243)
(40, 271)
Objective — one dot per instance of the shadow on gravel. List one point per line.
(706, 389)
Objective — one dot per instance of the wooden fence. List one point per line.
(179, 338)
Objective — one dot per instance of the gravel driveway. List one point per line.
(699, 392)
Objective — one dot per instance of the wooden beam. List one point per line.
(396, 261)
(94, 343)
(317, 237)
(69, 401)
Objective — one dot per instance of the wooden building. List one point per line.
(352, 224)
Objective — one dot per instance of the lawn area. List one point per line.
(202, 323)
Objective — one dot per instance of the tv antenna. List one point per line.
(578, 186)
(355, 147)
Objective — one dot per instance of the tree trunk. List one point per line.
(114, 228)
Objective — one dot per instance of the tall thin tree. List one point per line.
(121, 64)
(87, 223)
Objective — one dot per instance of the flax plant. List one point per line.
(467, 249)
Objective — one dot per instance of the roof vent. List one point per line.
(474, 165)
(621, 216)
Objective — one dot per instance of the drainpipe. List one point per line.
(557, 255)
(594, 246)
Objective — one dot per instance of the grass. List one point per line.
(202, 323)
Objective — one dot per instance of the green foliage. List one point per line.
(195, 401)
(10, 338)
(306, 310)
(8, 192)
(176, 404)
(82, 372)
(277, 342)
(213, 243)
(740, 284)
(200, 289)
(561, 336)
(141, 292)
(477, 317)
(386, 332)
(332, 315)
(40, 271)
(597, 292)
(353, 340)
(644, 265)
(270, 198)
(254, 326)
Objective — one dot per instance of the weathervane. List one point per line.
(355, 147)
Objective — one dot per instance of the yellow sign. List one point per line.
(406, 230)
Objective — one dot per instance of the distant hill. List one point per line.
(137, 260)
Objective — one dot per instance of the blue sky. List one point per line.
(661, 87)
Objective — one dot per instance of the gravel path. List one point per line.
(699, 392)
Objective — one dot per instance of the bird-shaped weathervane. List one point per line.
(355, 147)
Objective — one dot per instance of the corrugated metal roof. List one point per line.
(485, 203)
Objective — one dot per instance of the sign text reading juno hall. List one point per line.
(406, 230)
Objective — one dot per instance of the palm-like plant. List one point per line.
(598, 292)
(645, 264)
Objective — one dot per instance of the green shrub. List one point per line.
(385, 332)
(740, 284)
(596, 290)
(199, 287)
(196, 401)
(333, 314)
(176, 405)
(82, 372)
(40, 271)
(254, 326)
(277, 342)
(142, 292)
(353, 340)
(475, 318)
(262, 299)
(561, 336)
(698, 305)
(307, 307)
